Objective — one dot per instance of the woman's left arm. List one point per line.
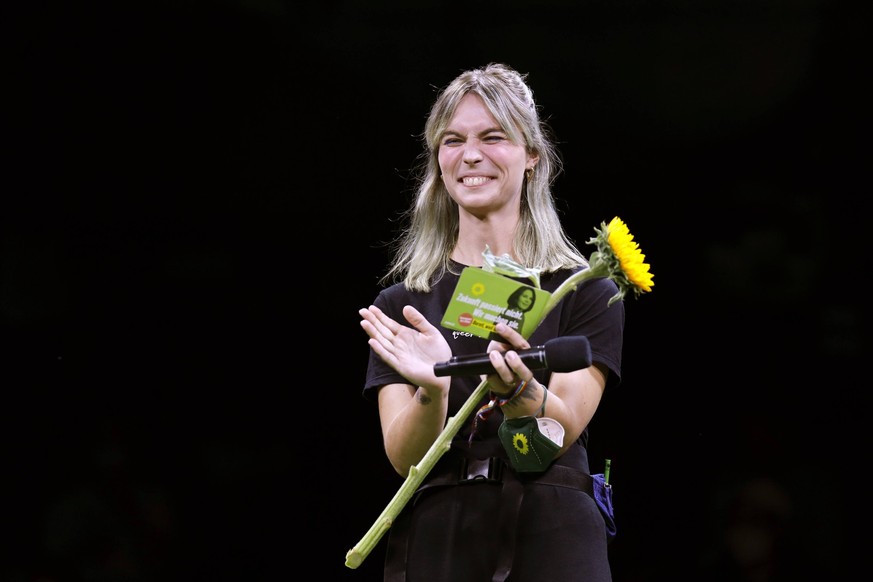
(573, 396)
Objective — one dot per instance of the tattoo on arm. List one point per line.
(423, 398)
(533, 395)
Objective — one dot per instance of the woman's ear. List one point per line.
(532, 161)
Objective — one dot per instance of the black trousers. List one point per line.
(500, 527)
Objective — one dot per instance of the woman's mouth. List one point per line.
(474, 180)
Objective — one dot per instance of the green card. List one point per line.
(482, 299)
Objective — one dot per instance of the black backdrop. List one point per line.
(197, 194)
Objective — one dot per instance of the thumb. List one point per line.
(418, 321)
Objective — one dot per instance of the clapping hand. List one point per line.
(411, 351)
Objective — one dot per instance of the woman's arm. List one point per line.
(411, 419)
(414, 414)
(573, 396)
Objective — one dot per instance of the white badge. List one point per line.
(552, 429)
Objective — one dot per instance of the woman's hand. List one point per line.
(508, 365)
(411, 351)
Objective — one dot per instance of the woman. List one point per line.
(485, 180)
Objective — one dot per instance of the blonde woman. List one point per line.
(485, 179)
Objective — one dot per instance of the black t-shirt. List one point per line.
(581, 312)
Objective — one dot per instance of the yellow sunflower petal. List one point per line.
(629, 255)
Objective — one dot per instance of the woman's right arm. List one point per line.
(412, 415)
(412, 418)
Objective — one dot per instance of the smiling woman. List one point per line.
(482, 165)
(485, 184)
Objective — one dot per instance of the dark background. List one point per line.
(196, 199)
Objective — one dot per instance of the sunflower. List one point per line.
(623, 258)
(618, 258)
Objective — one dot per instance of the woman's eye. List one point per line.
(493, 138)
(451, 141)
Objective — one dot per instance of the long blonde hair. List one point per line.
(423, 250)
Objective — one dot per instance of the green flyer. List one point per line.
(482, 299)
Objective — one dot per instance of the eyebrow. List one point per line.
(486, 131)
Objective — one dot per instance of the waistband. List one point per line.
(466, 471)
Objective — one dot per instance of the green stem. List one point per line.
(417, 473)
(595, 269)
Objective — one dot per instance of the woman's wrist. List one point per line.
(504, 398)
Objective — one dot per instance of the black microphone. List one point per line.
(561, 354)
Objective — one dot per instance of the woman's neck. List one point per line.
(475, 234)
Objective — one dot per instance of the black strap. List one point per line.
(510, 505)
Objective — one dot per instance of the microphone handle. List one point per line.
(534, 358)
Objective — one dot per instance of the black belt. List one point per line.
(493, 470)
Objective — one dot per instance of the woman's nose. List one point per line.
(472, 154)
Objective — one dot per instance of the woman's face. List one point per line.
(482, 169)
(525, 299)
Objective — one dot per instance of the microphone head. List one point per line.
(567, 353)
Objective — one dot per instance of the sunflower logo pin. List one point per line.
(519, 443)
